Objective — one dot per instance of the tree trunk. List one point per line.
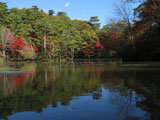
(44, 44)
(3, 44)
(72, 55)
(46, 77)
(3, 52)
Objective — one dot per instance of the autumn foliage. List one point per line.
(90, 49)
(17, 44)
(135, 36)
(108, 39)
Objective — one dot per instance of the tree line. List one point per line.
(31, 33)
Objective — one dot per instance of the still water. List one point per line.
(81, 91)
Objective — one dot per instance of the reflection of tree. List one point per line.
(52, 84)
(134, 89)
(10, 83)
(152, 102)
(49, 85)
(97, 95)
(127, 107)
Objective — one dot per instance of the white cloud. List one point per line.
(67, 4)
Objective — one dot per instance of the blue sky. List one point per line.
(75, 9)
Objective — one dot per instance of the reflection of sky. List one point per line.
(83, 108)
(109, 93)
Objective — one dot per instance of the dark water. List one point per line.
(83, 91)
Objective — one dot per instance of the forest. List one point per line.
(33, 34)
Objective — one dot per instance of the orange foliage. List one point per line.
(18, 79)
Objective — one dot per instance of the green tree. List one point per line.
(34, 8)
(51, 12)
(5, 36)
(3, 12)
(61, 14)
(94, 21)
(43, 29)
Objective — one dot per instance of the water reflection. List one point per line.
(90, 91)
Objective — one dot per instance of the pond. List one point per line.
(81, 91)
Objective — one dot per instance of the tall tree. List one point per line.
(3, 12)
(5, 38)
(147, 28)
(44, 29)
(124, 11)
(51, 12)
(61, 14)
(94, 21)
(35, 8)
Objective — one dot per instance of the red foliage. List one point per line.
(145, 13)
(44, 12)
(90, 49)
(148, 12)
(35, 48)
(154, 7)
(137, 41)
(19, 79)
(98, 72)
(108, 39)
(116, 80)
(17, 44)
(106, 42)
(97, 44)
